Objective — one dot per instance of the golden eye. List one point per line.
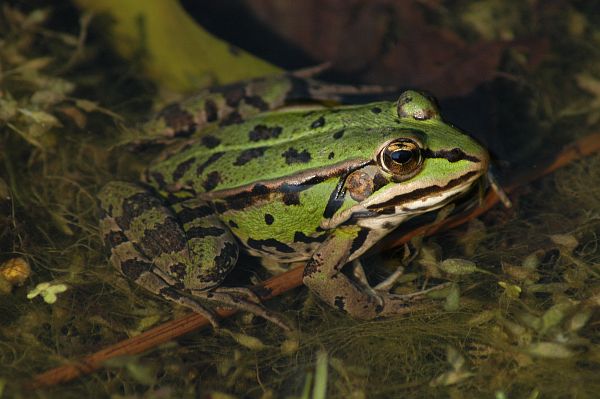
(401, 158)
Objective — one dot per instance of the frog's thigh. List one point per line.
(213, 249)
(135, 215)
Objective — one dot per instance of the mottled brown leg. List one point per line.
(323, 276)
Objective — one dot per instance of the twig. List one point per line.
(285, 282)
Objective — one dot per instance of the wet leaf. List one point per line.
(520, 273)
(8, 109)
(566, 241)
(62, 223)
(555, 315)
(46, 97)
(169, 33)
(75, 115)
(43, 118)
(429, 258)
(482, 318)
(474, 235)
(290, 346)
(550, 350)
(457, 374)
(579, 319)
(248, 341)
(512, 291)
(452, 302)
(458, 267)
(532, 261)
(34, 64)
(48, 291)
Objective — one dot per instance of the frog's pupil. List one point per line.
(401, 156)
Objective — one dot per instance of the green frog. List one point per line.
(318, 185)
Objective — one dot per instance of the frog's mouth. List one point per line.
(426, 198)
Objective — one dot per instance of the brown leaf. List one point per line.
(75, 115)
(390, 42)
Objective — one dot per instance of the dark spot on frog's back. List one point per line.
(212, 180)
(233, 93)
(115, 238)
(269, 219)
(318, 123)
(133, 268)
(278, 246)
(376, 110)
(134, 206)
(179, 270)
(262, 132)
(201, 232)
(186, 215)
(211, 111)
(158, 178)
(178, 119)
(257, 102)
(339, 134)
(182, 168)
(163, 237)
(331, 155)
(231, 119)
(293, 156)
(301, 237)
(248, 155)
(210, 141)
(291, 199)
(213, 158)
(226, 258)
(233, 224)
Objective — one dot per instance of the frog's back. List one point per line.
(277, 145)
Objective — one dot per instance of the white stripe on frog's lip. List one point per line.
(408, 210)
(388, 217)
(382, 224)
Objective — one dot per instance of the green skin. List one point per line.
(292, 185)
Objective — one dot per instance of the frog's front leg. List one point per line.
(181, 253)
(323, 275)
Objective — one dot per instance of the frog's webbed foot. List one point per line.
(409, 253)
(323, 274)
(175, 296)
(386, 285)
(243, 299)
(393, 304)
(389, 303)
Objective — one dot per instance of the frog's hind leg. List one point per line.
(181, 253)
(213, 252)
(134, 265)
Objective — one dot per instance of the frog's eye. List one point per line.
(402, 158)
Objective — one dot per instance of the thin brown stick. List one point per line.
(285, 282)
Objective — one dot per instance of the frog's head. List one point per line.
(419, 166)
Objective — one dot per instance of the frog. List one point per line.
(317, 185)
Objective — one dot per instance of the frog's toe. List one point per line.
(245, 292)
(394, 304)
(236, 298)
(189, 303)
